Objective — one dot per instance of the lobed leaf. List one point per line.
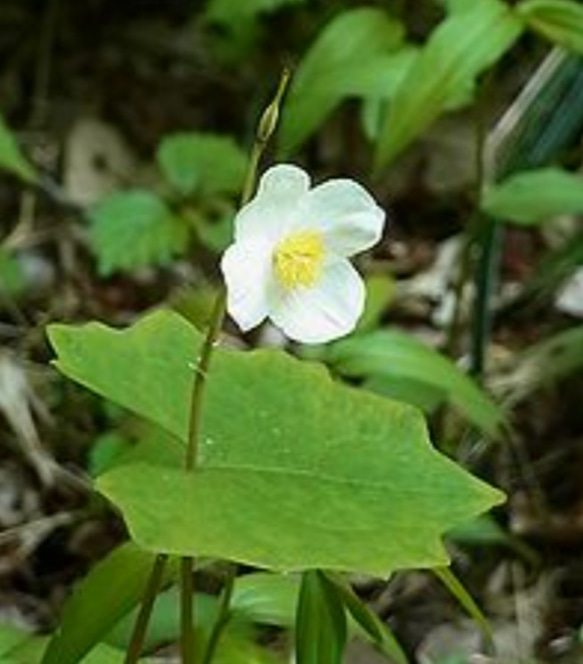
(202, 162)
(296, 471)
(132, 229)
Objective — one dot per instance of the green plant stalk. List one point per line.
(265, 129)
(222, 616)
(139, 633)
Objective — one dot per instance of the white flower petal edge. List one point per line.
(346, 214)
(280, 190)
(246, 267)
(326, 311)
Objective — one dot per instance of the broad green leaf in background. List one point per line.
(380, 290)
(561, 21)
(320, 623)
(106, 450)
(329, 478)
(230, 12)
(30, 651)
(266, 598)
(206, 163)
(463, 46)
(428, 397)
(350, 57)
(111, 589)
(11, 157)
(395, 354)
(132, 229)
(12, 277)
(531, 197)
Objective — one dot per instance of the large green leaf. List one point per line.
(132, 229)
(561, 21)
(11, 157)
(205, 162)
(398, 355)
(459, 49)
(532, 197)
(350, 57)
(296, 471)
(112, 588)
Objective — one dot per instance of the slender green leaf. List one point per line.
(367, 619)
(329, 478)
(134, 229)
(459, 49)
(398, 355)
(531, 197)
(457, 589)
(351, 57)
(11, 157)
(561, 21)
(111, 589)
(320, 623)
(206, 163)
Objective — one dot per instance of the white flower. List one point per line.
(289, 259)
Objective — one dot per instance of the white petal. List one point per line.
(328, 310)
(271, 211)
(346, 214)
(246, 267)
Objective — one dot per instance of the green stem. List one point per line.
(222, 616)
(265, 129)
(187, 609)
(139, 633)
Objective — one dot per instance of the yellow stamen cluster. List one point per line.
(297, 260)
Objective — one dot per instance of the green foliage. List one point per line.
(111, 589)
(394, 354)
(203, 163)
(12, 279)
(380, 290)
(355, 55)
(106, 452)
(463, 46)
(11, 157)
(135, 228)
(377, 631)
(532, 197)
(333, 471)
(320, 623)
(561, 21)
(457, 589)
(231, 12)
(269, 599)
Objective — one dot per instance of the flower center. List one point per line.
(297, 260)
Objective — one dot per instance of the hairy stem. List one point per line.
(265, 129)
